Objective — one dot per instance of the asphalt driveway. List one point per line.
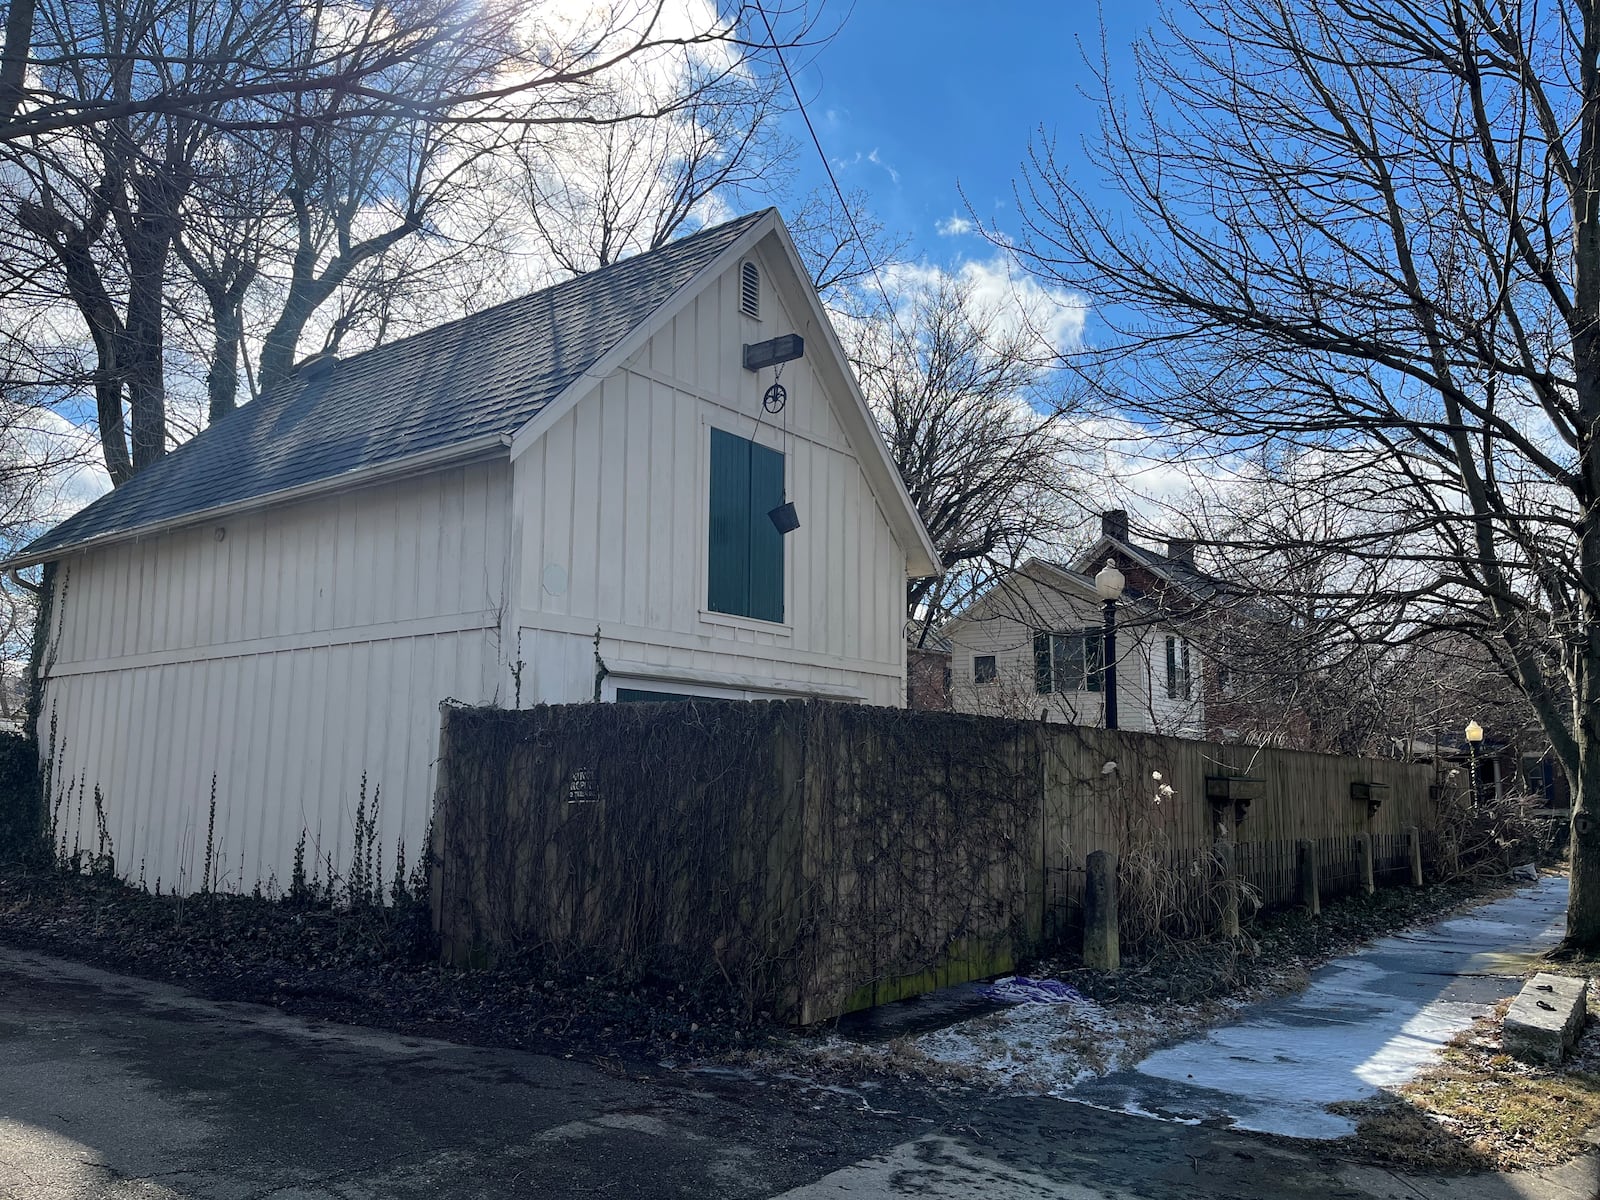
(120, 1088)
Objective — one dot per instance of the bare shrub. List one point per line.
(1486, 836)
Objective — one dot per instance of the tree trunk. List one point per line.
(14, 59)
(1583, 904)
(306, 295)
(222, 381)
(108, 415)
(278, 350)
(142, 350)
(308, 291)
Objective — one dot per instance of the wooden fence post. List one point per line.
(438, 852)
(1364, 856)
(1228, 878)
(1310, 897)
(1031, 750)
(1102, 949)
(1414, 845)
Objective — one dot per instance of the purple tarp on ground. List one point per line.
(1019, 989)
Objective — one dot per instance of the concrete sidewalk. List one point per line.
(1368, 1020)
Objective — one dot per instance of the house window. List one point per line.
(1224, 679)
(1180, 682)
(983, 669)
(1068, 662)
(746, 550)
(750, 290)
(648, 696)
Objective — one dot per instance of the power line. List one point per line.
(844, 205)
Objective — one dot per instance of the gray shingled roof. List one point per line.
(1182, 572)
(484, 374)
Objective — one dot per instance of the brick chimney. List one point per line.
(1181, 550)
(1114, 524)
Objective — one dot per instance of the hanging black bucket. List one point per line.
(784, 518)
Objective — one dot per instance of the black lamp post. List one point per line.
(1474, 738)
(1108, 584)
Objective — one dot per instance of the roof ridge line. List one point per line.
(526, 297)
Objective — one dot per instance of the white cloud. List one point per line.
(871, 156)
(1015, 301)
(954, 225)
(1152, 472)
(76, 473)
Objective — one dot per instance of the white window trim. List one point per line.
(1187, 658)
(1086, 633)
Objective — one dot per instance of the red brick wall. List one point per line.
(927, 679)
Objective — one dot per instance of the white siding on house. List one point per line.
(613, 505)
(309, 645)
(1003, 624)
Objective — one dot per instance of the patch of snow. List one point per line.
(1371, 1020)
(1051, 1048)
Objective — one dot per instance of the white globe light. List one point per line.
(1474, 732)
(1109, 581)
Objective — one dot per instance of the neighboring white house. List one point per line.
(1033, 646)
(559, 499)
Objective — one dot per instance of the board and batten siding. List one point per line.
(1003, 625)
(285, 653)
(613, 507)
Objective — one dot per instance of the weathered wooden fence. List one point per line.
(817, 857)
(1162, 803)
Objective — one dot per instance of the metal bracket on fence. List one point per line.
(1371, 794)
(1233, 790)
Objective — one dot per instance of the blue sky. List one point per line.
(915, 102)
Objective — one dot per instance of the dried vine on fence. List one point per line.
(791, 854)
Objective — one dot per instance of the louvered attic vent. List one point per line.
(750, 290)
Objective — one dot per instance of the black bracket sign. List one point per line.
(773, 351)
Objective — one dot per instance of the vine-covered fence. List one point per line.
(813, 858)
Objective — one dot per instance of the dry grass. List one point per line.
(1481, 1109)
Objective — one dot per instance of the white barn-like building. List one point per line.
(559, 499)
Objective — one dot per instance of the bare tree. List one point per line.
(282, 153)
(222, 242)
(1368, 230)
(596, 195)
(975, 424)
(356, 190)
(843, 246)
(535, 47)
(40, 452)
(103, 202)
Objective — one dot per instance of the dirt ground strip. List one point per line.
(378, 966)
